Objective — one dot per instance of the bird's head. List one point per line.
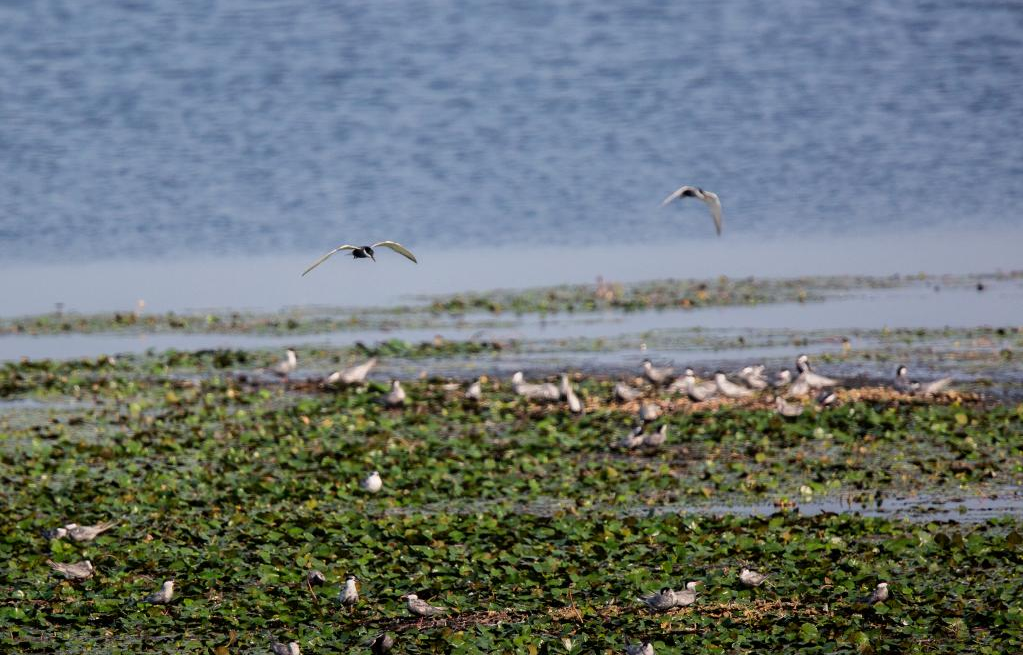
(410, 597)
(901, 371)
(691, 586)
(803, 363)
(168, 586)
(369, 251)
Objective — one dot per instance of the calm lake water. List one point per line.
(201, 127)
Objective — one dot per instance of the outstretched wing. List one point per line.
(679, 193)
(715, 208)
(396, 247)
(324, 258)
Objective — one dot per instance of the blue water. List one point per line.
(135, 129)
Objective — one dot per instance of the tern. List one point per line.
(697, 391)
(782, 378)
(81, 533)
(396, 396)
(879, 595)
(351, 375)
(545, 391)
(827, 397)
(574, 404)
(287, 365)
(362, 252)
(634, 439)
(706, 196)
(687, 596)
(729, 389)
(475, 391)
(382, 643)
(372, 482)
(656, 375)
(649, 412)
(163, 596)
(656, 439)
(350, 594)
(646, 648)
(625, 393)
(78, 571)
(751, 578)
(291, 648)
(904, 384)
(787, 409)
(814, 380)
(421, 607)
(662, 601)
(753, 376)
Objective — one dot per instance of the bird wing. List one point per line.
(324, 258)
(398, 248)
(678, 193)
(715, 208)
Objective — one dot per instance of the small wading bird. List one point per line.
(575, 405)
(362, 252)
(879, 595)
(78, 571)
(751, 578)
(421, 607)
(475, 391)
(81, 533)
(396, 396)
(349, 596)
(667, 598)
(625, 393)
(162, 597)
(787, 409)
(656, 375)
(812, 379)
(656, 439)
(286, 366)
(729, 389)
(351, 375)
(649, 412)
(904, 384)
(706, 196)
(646, 648)
(697, 391)
(544, 391)
(634, 439)
(372, 483)
(753, 376)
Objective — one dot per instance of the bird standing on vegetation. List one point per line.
(656, 375)
(372, 483)
(787, 409)
(351, 375)
(349, 596)
(78, 571)
(475, 391)
(634, 439)
(753, 376)
(80, 533)
(396, 396)
(649, 412)
(545, 391)
(879, 595)
(729, 389)
(421, 607)
(163, 596)
(751, 578)
(574, 404)
(656, 439)
(362, 252)
(711, 199)
(697, 391)
(812, 379)
(315, 579)
(286, 366)
(905, 385)
(625, 393)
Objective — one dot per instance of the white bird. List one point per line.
(661, 601)
(753, 376)
(625, 393)
(814, 380)
(78, 571)
(81, 533)
(287, 365)
(787, 409)
(362, 252)
(904, 384)
(687, 596)
(697, 391)
(545, 391)
(372, 482)
(649, 412)
(879, 595)
(712, 200)
(656, 375)
(656, 439)
(396, 396)
(729, 389)
(351, 375)
(634, 439)
(475, 391)
(163, 596)
(421, 607)
(646, 648)
(782, 378)
(350, 594)
(574, 404)
(751, 578)
(292, 648)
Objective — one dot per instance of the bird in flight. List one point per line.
(706, 196)
(362, 252)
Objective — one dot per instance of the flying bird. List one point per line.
(362, 252)
(706, 196)
(79, 571)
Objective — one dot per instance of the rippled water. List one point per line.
(207, 126)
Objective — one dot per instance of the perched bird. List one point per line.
(697, 391)
(656, 439)
(421, 607)
(879, 595)
(372, 482)
(649, 412)
(351, 375)
(315, 579)
(291, 648)
(78, 571)
(574, 404)
(729, 389)
(396, 396)
(625, 393)
(382, 643)
(645, 648)
(545, 391)
(349, 596)
(753, 376)
(706, 196)
(751, 578)
(687, 596)
(782, 378)
(286, 366)
(662, 601)
(475, 391)
(163, 596)
(362, 252)
(814, 380)
(656, 375)
(787, 409)
(634, 439)
(81, 533)
(904, 384)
